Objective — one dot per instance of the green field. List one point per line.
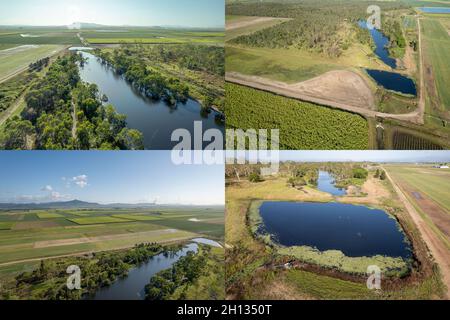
(31, 234)
(39, 37)
(303, 126)
(437, 47)
(433, 182)
(151, 36)
(17, 59)
(97, 220)
(49, 215)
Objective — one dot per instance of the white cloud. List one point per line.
(81, 180)
(47, 188)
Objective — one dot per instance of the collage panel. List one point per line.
(340, 75)
(88, 75)
(339, 225)
(110, 226)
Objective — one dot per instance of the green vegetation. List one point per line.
(54, 102)
(436, 45)
(48, 281)
(36, 36)
(191, 277)
(152, 36)
(33, 234)
(172, 73)
(335, 259)
(20, 58)
(48, 215)
(11, 89)
(302, 125)
(97, 220)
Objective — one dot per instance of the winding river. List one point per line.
(155, 119)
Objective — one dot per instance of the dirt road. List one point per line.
(249, 22)
(296, 92)
(11, 110)
(440, 252)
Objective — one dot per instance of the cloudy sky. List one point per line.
(107, 177)
(188, 13)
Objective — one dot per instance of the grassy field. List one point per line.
(152, 36)
(433, 182)
(15, 60)
(437, 46)
(33, 234)
(291, 65)
(302, 125)
(39, 37)
(236, 32)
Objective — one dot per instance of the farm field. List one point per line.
(39, 36)
(19, 58)
(428, 189)
(152, 36)
(436, 45)
(33, 234)
(302, 125)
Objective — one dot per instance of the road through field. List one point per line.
(296, 93)
(421, 109)
(440, 252)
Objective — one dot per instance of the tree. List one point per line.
(16, 134)
(360, 173)
(255, 177)
(383, 175)
(130, 139)
(377, 173)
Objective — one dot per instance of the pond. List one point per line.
(133, 286)
(381, 42)
(326, 183)
(393, 81)
(355, 230)
(155, 119)
(434, 10)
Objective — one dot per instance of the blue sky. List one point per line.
(187, 13)
(107, 177)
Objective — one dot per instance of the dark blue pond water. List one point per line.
(133, 286)
(325, 183)
(355, 230)
(434, 10)
(380, 42)
(393, 81)
(155, 119)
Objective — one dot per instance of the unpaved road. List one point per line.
(296, 92)
(12, 109)
(440, 252)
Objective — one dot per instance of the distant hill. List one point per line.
(77, 204)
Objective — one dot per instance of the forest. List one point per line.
(315, 26)
(63, 113)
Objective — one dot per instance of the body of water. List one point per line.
(393, 81)
(133, 286)
(355, 230)
(381, 42)
(155, 119)
(326, 182)
(434, 10)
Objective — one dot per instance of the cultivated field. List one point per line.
(28, 235)
(18, 59)
(302, 125)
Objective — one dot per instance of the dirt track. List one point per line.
(440, 252)
(322, 97)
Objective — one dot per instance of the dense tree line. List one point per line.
(314, 26)
(184, 272)
(49, 120)
(48, 281)
(149, 82)
(38, 65)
